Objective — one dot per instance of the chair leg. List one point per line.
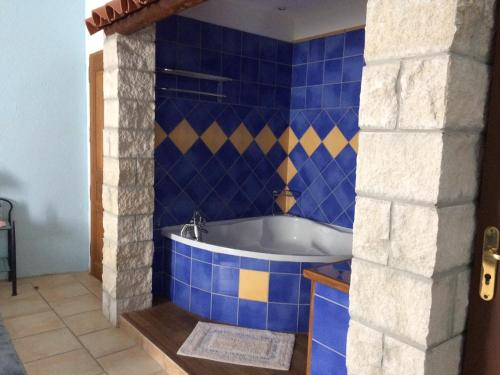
(9, 253)
(14, 261)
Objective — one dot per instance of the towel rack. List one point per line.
(197, 75)
(194, 92)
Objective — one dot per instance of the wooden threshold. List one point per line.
(163, 329)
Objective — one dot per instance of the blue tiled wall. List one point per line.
(290, 118)
(212, 285)
(326, 83)
(228, 167)
(330, 325)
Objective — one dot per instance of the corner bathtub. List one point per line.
(248, 272)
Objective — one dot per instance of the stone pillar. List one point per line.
(128, 196)
(422, 111)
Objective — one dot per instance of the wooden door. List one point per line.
(482, 338)
(96, 101)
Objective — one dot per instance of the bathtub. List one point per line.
(248, 272)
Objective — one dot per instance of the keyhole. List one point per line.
(487, 279)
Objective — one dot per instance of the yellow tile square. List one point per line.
(265, 139)
(160, 135)
(183, 136)
(335, 142)
(354, 142)
(241, 138)
(310, 141)
(287, 170)
(214, 137)
(254, 285)
(285, 202)
(288, 140)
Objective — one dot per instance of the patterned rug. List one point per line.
(9, 361)
(240, 346)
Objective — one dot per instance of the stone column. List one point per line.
(128, 196)
(422, 112)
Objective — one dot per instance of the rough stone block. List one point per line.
(445, 91)
(401, 358)
(128, 84)
(145, 172)
(132, 53)
(461, 301)
(144, 227)
(419, 167)
(402, 304)
(112, 309)
(372, 226)
(127, 256)
(128, 200)
(397, 28)
(429, 240)
(119, 171)
(129, 114)
(379, 96)
(119, 229)
(127, 283)
(364, 350)
(128, 143)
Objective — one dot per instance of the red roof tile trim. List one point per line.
(128, 16)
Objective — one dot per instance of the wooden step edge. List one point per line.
(166, 363)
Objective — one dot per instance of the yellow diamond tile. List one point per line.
(288, 140)
(354, 142)
(241, 138)
(265, 139)
(254, 285)
(287, 170)
(335, 142)
(183, 136)
(285, 203)
(310, 141)
(160, 135)
(214, 137)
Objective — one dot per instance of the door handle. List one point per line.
(490, 258)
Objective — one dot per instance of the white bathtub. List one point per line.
(278, 238)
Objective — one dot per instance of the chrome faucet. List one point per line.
(195, 228)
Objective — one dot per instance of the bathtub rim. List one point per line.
(167, 232)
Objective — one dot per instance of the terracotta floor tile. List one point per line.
(51, 280)
(76, 305)
(106, 342)
(23, 291)
(46, 344)
(28, 325)
(87, 322)
(60, 292)
(25, 306)
(129, 362)
(77, 362)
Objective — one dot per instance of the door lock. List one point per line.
(489, 263)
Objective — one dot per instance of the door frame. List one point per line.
(96, 124)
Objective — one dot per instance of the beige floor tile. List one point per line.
(28, 325)
(96, 290)
(107, 341)
(87, 322)
(52, 280)
(77, 362)
(45, 344)
(23, 291)
(76, 305)
(129, 362)
(87, 279)
(25, 306)
(60, 292)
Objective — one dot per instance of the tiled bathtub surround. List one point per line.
(243, 291)
(329, 332)
(225, 159)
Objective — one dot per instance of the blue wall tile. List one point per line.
(255, 264)
(226, 260)
(225, 280)
(330, 325)
(201, 275)
(182, 268)
(224, 309)
(284, 288)
(200, 254)
(334, 46)
(332, 294)
(200, 303)
(181, 294)
(304, 311)
(285, 267)
(282, 317)
(252, 314)
(326, 362)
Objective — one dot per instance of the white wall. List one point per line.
(43, 136)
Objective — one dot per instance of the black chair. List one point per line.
(7, 223)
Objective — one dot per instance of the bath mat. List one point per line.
(9, 361)
(240, 346)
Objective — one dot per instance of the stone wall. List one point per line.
(423, 98)
(128, 196)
